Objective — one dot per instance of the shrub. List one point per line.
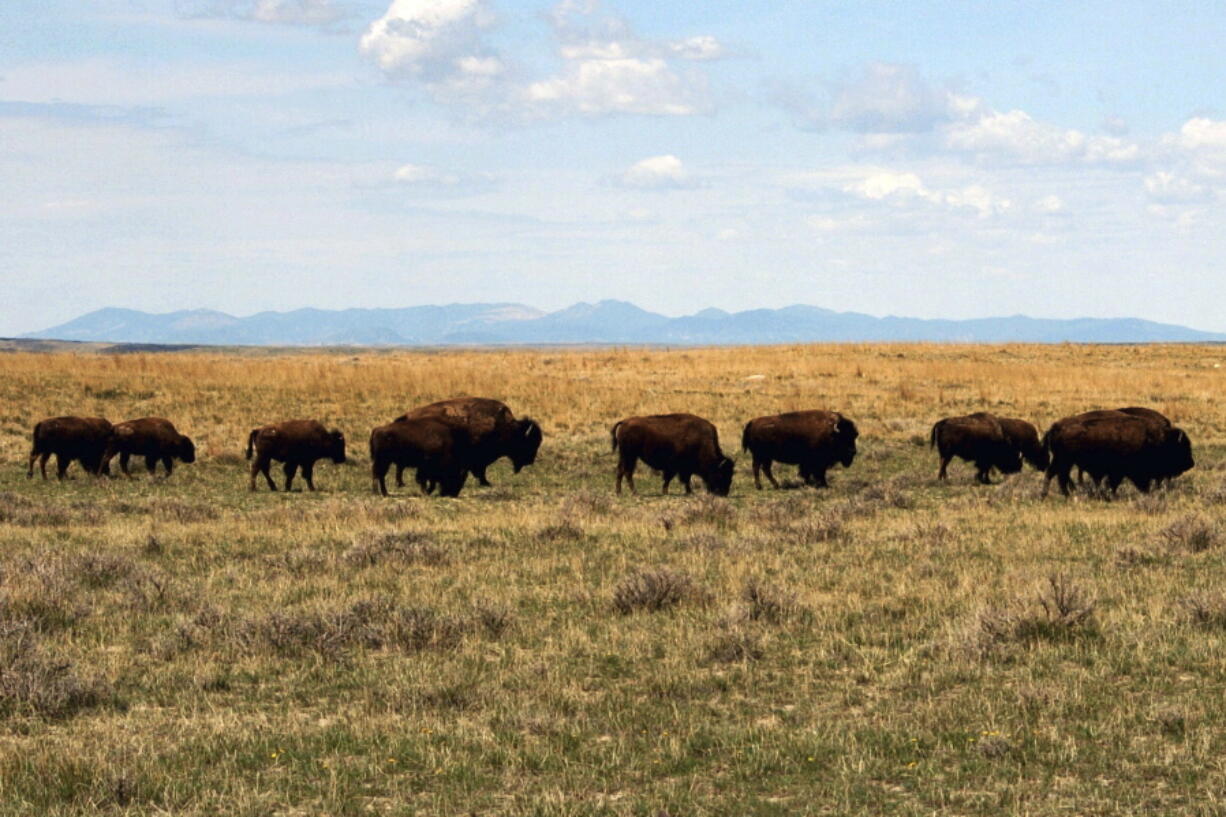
(1193, 534)
(33, 682)
(654, 590)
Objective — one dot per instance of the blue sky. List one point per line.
(934, 159)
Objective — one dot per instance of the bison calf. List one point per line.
(814, 440)
(153, 438)
(675, 445)
(989, 442)
(84, 439)
(433, 446)
(298, 444)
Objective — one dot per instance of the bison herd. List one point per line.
(445, 442)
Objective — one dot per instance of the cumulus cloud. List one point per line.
(437, 41)
(593, 86)
(657, 173)
(440, 181)
(605, 68)
(903, 189)
(1017, 137)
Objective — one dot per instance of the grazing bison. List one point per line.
(70, 438)
(493, 432)
(675, 445)
(989, 442)
(435, 446)
(298, 444)
(153, 438)
(814, 440)
(1116, 445)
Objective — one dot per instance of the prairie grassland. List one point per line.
(889, 646)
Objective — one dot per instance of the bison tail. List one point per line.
(932, 438)
(745, 436)
(613, 433)
(251, 441)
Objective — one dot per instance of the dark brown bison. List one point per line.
(436, 447)
(813, 440)
(70, 438)
(1157, 418)
(1116, 445)
(493, 433)
(675, 445)
(989, 442)
(298, 444)
(154, 438)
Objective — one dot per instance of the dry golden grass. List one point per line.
(891, 645)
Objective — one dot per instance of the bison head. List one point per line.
(1176, 453)
(186, 449)
(336, 446)
(525, 442)
(719, 477)
(845, 432)
(1035, 454)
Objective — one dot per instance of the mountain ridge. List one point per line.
(604, 322)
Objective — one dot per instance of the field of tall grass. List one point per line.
(891, 645)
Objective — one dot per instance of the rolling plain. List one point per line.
(891, 645)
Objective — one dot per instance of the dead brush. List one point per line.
(403, 547)
(708, 509)
(587, 503)
(32, 682)
(172, 510)
(1207, 612)
(767, 603)
(655, 590)
(1191, 534)
(97, 571)
(736, 645)
(1064, 612)
(565, 529)
(41, 593)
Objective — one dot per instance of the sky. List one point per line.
(928, 159)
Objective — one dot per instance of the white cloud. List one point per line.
(594, 87)
(424, 174)
(703, 47)
(436, 41)
(1200, 133)
(1170, 188)
(1017, 137)
(657, 173)
(902, 189)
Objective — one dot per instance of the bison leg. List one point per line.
(479, 472)
(378, 474)
(757, 479)
(983, 473)
(30, 469)
(400, 475)
(124, 459)
(42, 464)
(625, 468)
(308, 473)
(685, 480)
(290, 469)
(169, 464)
(819, 478)
(668, 477)
(424, 482)
(767, 466)
(61, 465)
(265, 466)
(945, 459)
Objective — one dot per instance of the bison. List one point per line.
(298, 444)
(493, 433)
(1157, 418)
(1116, 445)
(675, 445)
(989, 442)
(155, 439)
(435, 446)
(814, 440)
(84, 439)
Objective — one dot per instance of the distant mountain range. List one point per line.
(611, 322)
